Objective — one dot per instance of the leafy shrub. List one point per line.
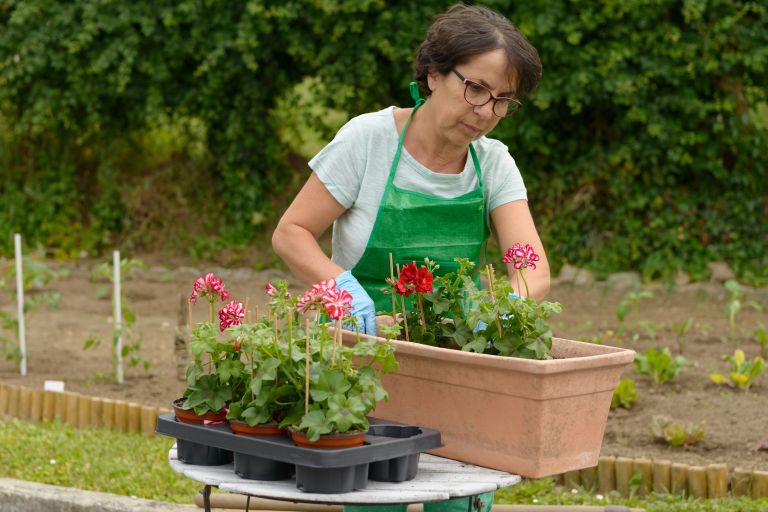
(659, 364)
(624, 395)
(643, 147)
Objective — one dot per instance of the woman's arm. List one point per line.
(295, 239)
(513, 223)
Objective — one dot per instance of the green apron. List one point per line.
(412, 226)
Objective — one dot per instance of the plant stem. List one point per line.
(290, 336)
(489, 270)
(213, 309)
(247, 316)
(251, 361)
(306, 371)
(421, 310)
(520, 273)
(392, 285)
(405, 318)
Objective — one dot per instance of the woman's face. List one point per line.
(457, 121)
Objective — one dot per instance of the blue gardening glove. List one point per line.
(363, 307)
(482, 325)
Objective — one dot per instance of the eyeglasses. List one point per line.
(478, 95)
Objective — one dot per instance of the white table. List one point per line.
(438, 479)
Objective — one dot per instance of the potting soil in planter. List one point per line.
(390, 454)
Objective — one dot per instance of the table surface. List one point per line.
(438, 479)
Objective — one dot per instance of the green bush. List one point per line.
(643, 147)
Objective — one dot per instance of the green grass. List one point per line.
(544, 492)
(136, 465)
(92, 459)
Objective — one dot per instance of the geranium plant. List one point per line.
(341, 385)
(213, 374)
(294, 369)
(450, 311)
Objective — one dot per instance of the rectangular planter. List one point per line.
(526, 417)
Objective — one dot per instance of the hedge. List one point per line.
(644, 147)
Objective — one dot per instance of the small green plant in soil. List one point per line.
(681, 330)
(131, 340)
(37, 274)
(676, 433)
(624, 395)
(743, 373)
(735, 302)
(761, 336)
(659, 364)
(629, 306)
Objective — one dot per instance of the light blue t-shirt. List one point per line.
(354, 167)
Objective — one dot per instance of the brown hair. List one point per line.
(464, 31)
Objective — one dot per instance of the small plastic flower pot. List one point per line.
(253, 467)
(265, 429)
(329, 441)
(189, 416)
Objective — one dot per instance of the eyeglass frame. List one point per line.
(491, 97)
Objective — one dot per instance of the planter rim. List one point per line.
(594, 356)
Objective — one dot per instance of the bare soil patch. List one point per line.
(734, 420)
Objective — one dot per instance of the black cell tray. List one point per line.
(390, 453)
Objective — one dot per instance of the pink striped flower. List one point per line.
(271, 290)
(521, 256)
(208, 286)
(231, 314)
(313, 296)
(337, 303)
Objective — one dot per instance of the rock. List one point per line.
(721, 272)
(583, 278)
(682, 278)
(567, 274)
(623, 280)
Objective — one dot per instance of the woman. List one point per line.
(423, 181)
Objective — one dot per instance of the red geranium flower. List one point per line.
(406, 282)
(231, 314)
(423, 280)
(208, 286)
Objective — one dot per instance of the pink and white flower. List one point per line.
(271, 290)
(231, 314)
(521, 256)
(313, 296)
(208, 286)
(337, 303)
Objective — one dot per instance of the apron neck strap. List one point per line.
(418, 102)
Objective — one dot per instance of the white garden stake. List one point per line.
(20, 302)
(118, 317)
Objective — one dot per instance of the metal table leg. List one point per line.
(207, 498)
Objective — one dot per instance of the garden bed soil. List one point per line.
(735, 421)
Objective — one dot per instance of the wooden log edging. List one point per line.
(77, 410)
(663, 476)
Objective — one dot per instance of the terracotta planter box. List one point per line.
(526, 417)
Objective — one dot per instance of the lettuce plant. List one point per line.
(624, 395)
(743, 373)
(659, 365)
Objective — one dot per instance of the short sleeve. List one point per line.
(340, 165)
(504, 182)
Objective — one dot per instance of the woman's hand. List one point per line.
(363, 308)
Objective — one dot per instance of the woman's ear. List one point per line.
(433, 77)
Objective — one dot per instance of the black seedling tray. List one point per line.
(390, 453)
